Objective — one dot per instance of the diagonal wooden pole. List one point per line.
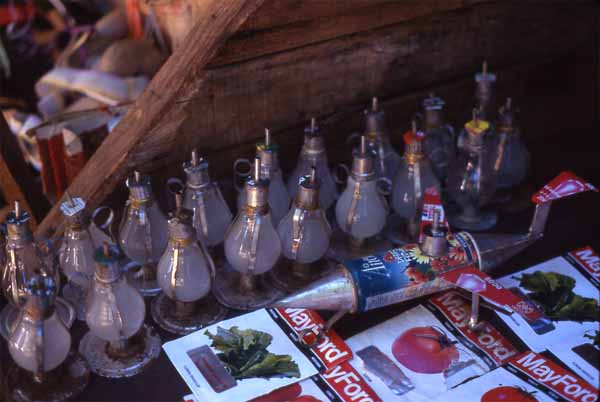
(134, 140)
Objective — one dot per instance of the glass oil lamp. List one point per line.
(252, 248)
(313, 153)
(202, 196)
(279, 199)
(118, 343)
(512, 158)
(361, 210)
(472, 180)
(25, 258)
(185, 275)
(414, 176)
(305, 234)
(440, 138)
(76, 255)
(387, 160)
(40, 346)
(143, 234)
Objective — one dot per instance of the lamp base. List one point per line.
(10, 314)
(76, 296)
(289, 276)
(143, 278)
(201, 314)
(141, 350)
(63, 383)
(343, 247)
(480, 221)
(231, 292)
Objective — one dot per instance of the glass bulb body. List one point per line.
(114, 311)
(386, 160)
(439, 149)
(76, 256)
(409, 185)
(313, 232)
(279, 199)
(21, 267)
(252, 245)
(211, 213)
(327, 191)
(184, 271)
(55, 345)
(471, 181)
(143, 234)
(370, 209)
(512, 159)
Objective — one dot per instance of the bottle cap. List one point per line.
(308, 191)
(139, 187)
(196, 170)
(434, 241)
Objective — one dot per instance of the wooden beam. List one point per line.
(17, 183)
(180, 77)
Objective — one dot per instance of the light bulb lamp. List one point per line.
(313, 154)
(414, 176)
(211, 214)
(24, 259)
(40, 345)
(185, 274)
(472, 180)
(252, 248)
(305, 234)
(279, 199)
(439, 144)
(76, 255)
(118, 343)
(361, 211)
(142, 234)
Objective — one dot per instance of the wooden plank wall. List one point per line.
(269, 76)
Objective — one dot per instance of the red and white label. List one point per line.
(332, 350)
(432, 202)
(564, 185)
(491, 342)
(588, 259)
(475, 281)
(345, 381)
(554, 377)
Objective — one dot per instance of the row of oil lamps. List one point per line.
(170, 258)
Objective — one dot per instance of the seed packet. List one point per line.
(252, 354)
(427, 350)
(563, 292)
(529, 377)
(340, 384)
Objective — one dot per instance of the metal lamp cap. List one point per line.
(485, 78)
(196, 170)
(308, 191)
(314, 143)
(256, 188)
(41, 292)
(413, 143)
(375, 120)
(506, 117)
(434, 241)
(180, 224)
(362, 162)
(139, 186)
(107, 263)
(17, 226)
(433, 108)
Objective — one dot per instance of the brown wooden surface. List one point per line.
(225, 106)
(158, 110)
(16, 180)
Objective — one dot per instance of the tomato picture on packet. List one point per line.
(509, 394)
(425, 350)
